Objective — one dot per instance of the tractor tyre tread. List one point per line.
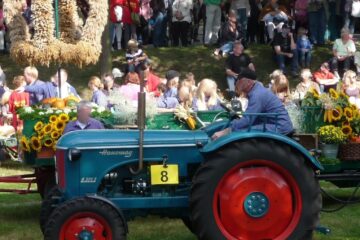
(217, 163)
(66, 209)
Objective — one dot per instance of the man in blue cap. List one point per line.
(261, 100)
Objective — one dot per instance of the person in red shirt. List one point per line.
(17, 100)
(152, 81)
(325, 78)
(129, 7)
(116, 15)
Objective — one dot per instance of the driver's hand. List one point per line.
(220, 133)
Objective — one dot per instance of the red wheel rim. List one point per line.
(86, 223)
(259, 176)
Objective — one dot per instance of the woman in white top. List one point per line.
(181, 21)
(343, 50)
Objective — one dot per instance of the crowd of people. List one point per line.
(292, 29)
(174, 22)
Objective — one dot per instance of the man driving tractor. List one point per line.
(261, 100)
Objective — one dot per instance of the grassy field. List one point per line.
(19, 217)
(19, 214)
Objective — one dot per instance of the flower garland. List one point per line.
(43, 48)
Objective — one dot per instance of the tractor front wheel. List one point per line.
(85, 218)
(257, 189)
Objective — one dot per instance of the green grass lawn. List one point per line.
(19, 217)
(19, 214)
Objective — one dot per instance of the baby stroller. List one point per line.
(8, 144)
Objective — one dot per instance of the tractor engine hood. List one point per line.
(91, 139)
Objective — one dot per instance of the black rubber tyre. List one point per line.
(188, 223)
(48, 205)
(70, 209)
(219, 163)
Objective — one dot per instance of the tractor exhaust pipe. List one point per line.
(141, 124)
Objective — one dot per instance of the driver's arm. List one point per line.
(246, 121)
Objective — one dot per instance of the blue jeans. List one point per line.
(227, 47)
(281, 59)
(159, 28)
(305, 58)
(350, 22)
(317, 26)
(243, 21)
(231, 82)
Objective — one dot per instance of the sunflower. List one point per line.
(63, 117)
(52, 118)
(38, 126)
(345, 123)
(49, 142)
(333, 94)
(54, 145)
(314, 92)
(41, 134)
(35, 143)
(25, 144)
(59, 126)
(336, 114)
(55, 135)
(47, 129)
(348, 113)
(353, 107)
(347, 130)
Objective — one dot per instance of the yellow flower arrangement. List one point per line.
(54, 145)
(52, 118)
(49, 142)
(35, 143)
(25, 144)
(330, 134)
(333, 94)
(38, 126)
(63, 117)
(347, 130)
(348, 113)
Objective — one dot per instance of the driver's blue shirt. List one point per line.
(262, 100)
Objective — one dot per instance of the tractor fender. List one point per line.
(241, 136)
(97, 197)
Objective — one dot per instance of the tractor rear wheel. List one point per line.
(257, 189)
(48, 205)
(85, 218)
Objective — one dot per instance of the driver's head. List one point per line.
(84, 111)
(245, 82)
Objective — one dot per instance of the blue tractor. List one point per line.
(246, 185)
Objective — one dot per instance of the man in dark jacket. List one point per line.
(261, 100)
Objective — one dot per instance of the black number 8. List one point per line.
(164, 176)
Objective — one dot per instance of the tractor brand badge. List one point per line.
(125, 154)
(88, 180)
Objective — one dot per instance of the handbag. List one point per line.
(355, 9)
(135, 18)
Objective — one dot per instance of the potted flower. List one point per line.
(330, 138)
(355, 125)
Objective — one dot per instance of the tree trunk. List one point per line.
(106, 56)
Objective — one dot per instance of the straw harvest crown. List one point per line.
(70, 41)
